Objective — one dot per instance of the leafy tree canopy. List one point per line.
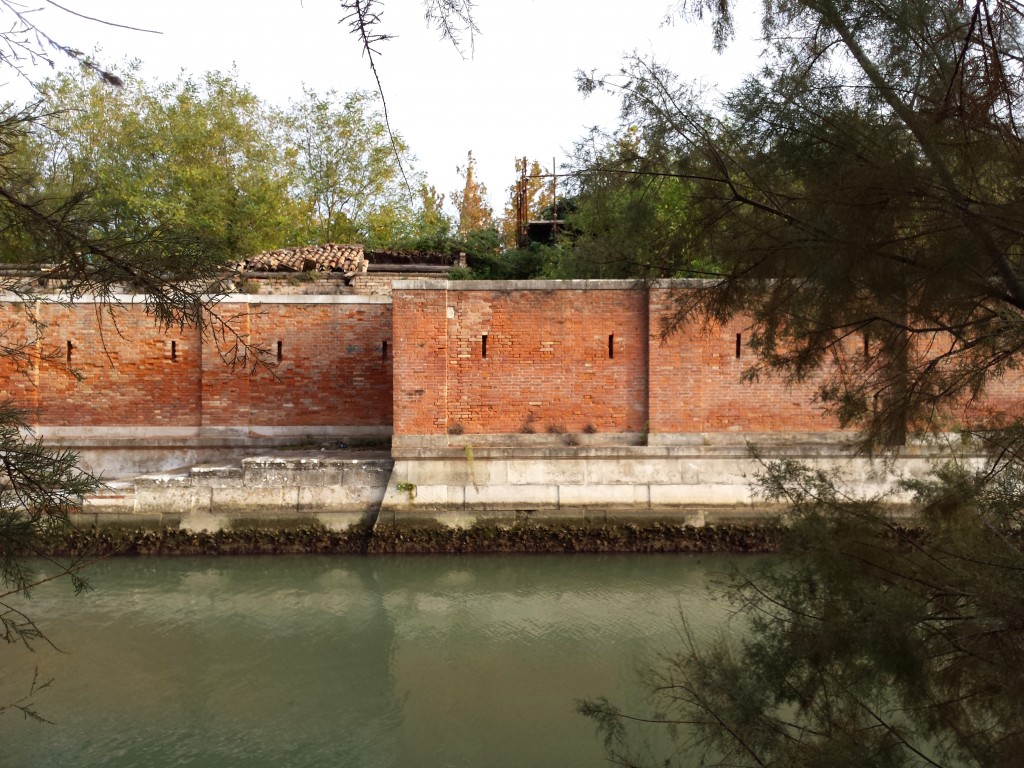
(349, 173)
(860, 200)
(864, 183)
(194, 159)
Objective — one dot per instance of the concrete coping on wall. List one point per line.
(438, 284)
(147, 436)
(132, 299)
(427, 284)
(792, 445)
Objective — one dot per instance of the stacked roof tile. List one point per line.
(331, 257)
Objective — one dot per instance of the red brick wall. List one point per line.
(19, 375)
(334, 366)
(697, 383)
(548, 367)
(120, 370)
(126, 371)
(547, 364)
(420, 383)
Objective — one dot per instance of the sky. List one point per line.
(512, 95)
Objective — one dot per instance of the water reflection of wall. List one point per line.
(351, 661)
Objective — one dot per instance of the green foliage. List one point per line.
(627, 218)
(863, 182)
(517, 264)
(203, 165)
(867, 643)
(189, 161)
(41, 488)
(859, 201)
(356, 182)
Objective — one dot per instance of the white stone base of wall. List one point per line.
(427, 483)
(691, 479)
(119, 453)
(335, 492)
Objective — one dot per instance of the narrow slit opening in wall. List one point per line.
(611, 346)
(867, 347)
(739, 344)
(483, 346)
(384, 350)
(70, 347)
(174, 351)
(280, 352)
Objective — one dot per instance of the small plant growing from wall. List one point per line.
(409, 488)
(455, 429)
(642, 440)
(590, 429)
(528, 424)
(556, 429)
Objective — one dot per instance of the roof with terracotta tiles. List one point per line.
(331, 257)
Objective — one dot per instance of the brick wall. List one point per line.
(697, 382)
(565, 360)
(463, 358)
(329, 364)
(575, 356)
(88, 367)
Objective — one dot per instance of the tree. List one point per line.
(89, 247)
(355, 178)
(861, 199)
(192, 159)
(474, 211)
(855, 189)
(85, 253)
(431, 223)
(626, 222)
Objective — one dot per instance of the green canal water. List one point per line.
(422, 661)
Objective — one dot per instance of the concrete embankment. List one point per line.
(332, 490)
(463, 486)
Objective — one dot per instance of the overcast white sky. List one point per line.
(516, 96)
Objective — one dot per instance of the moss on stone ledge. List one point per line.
(655, 537)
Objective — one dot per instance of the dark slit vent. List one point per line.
(739, 344)
(280, 351)
(70, 347)
(384, 350)
(174, 351)
(611, 346)
(483, 345)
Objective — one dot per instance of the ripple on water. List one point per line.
(434, 661)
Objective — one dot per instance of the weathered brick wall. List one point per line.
(581, 357)
(19, 375)
(523, 361)
(571, 357)
(420, 368)
(697, 382)
(574, 357)
(328, 364)
(479, 360)
(98, 367)
(90, 367)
